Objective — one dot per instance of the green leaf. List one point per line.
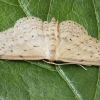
(37, 80)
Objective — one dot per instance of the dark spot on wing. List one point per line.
(39, 20)
(77, 45)
(77, 36)
(35, 46)
(82, 42)
(21, 56)
(81, 28)
(91, 56)
(21, 36)
(11, 50)
(70, 39)
(84, 32)
(81, 60)
(47, 35)
(68, 49)
(52, 34)
(97, 41)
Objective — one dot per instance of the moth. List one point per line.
(33, 39)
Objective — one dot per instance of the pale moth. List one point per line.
(33, 39)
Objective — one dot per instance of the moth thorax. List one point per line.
(53, 38)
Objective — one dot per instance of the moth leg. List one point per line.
(82, 67)
(49, 62)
